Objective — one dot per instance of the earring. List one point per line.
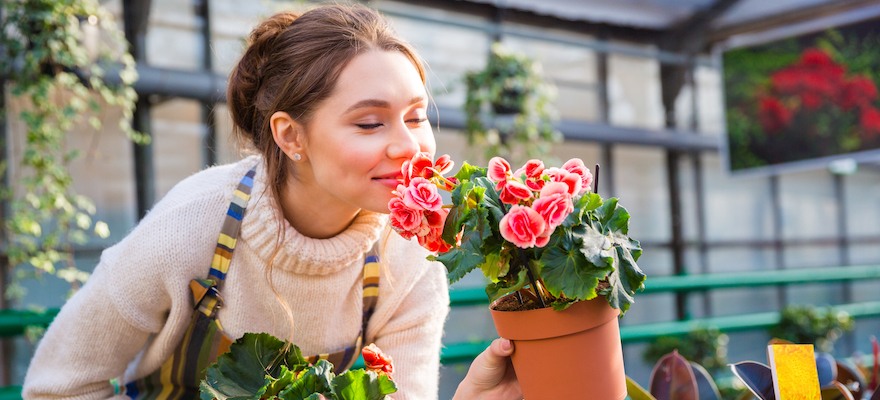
(296, 157)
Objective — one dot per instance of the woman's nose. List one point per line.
(404, 143)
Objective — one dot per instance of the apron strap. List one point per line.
(344, 359)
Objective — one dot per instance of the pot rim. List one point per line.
(544, 323)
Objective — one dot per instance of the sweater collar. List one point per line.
(265, 230)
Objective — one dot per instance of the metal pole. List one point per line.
(777, 236)
(209, 137)
(135, 15)
(843, 246)
(6, 348)
(699, 192)
(605, 117)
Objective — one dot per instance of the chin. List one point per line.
(380, 205)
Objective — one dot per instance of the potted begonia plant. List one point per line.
(560, 264)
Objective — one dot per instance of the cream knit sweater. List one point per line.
(136, 306)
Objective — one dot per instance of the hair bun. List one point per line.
(247, 77)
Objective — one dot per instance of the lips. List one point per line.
(391, 179)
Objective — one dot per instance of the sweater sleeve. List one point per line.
(88, 343)
(137, 296)
(412, 336)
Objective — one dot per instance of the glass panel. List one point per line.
(177, 142)
(736, 208)
(449, 51)
(808, 205)
(641, 184)
(634, 102)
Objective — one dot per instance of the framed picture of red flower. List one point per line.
(803, 101)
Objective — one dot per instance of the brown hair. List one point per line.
(293, 62)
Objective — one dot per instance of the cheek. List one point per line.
(427, 143)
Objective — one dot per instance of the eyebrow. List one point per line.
(380, 103)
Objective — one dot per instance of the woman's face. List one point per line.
(359, 137)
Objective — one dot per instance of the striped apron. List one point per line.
(204, 340)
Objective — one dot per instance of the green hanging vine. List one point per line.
(56, 55)
(511, 93)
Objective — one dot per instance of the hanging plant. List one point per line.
(54, 54)
(508, 107)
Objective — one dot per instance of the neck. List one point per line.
(313, 217)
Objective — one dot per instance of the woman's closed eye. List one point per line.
(369, 126)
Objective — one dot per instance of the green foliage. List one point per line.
(510, 87)
(61, 81)
(590, 254)
(809, 324)
(705, 346)
(260, 366)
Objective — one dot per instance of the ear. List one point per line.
(288, 133)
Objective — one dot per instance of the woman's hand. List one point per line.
(491, 375)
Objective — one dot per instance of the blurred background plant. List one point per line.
(64, 59)
(807, 324)
(706, 345)
(508, 108)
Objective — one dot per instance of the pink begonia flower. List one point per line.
(403, 217)
(422, 194)
(554, 205)
(571, 179)
(444, 164)
(530, 173)
(419, 166)
(436, 219)
(499, 169)
(377, 361)
(513, 191)
(431, 231)
(576, 166)
(522, 226)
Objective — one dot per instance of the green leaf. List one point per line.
(469, 172)
(507, 285)
(276, 385)
(362, 385)
(636, 392)
(626, 277)
(102, 230)
(241, 372)
(465, 258)
(316, 379)
(567, 271)
(495, 266)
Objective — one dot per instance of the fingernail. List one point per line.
(506, 345)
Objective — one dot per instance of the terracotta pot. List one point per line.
(571, 354)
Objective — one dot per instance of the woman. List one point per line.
(333, 103)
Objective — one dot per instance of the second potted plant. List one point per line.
(561, 265)
(508, 107)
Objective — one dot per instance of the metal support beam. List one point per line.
(605, 118)
(839, 181)
(779, 244)
(6, 348)
(135, 16)
(866, 8)
(209, 135)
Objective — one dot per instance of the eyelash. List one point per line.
(375, 126)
